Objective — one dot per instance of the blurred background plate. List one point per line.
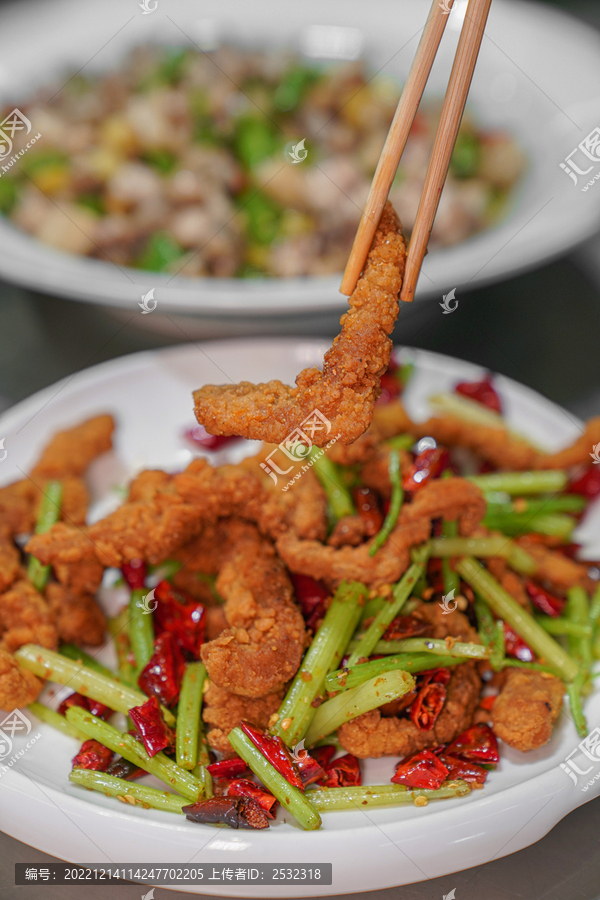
(519, 86)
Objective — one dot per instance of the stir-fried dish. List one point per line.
(184, 162)
(414, 595)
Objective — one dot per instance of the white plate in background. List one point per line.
(150, 396)
(538, 76)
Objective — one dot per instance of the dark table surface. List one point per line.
(541, 328)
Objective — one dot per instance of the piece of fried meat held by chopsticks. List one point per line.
(347, 388)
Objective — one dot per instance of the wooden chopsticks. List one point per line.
(439, 161)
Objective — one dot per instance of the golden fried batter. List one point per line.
(78, 618)
(20, 502)
(509, 580)
(556, 568)
(575, 455)
(263, 645)
(374, 735)
(454, 498)
(70, 452)
(25, 618)
(347, 388)
(18, 687)
(10, 559)
(222, 711)
(527, 708)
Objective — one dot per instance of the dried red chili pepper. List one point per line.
(93, 755)
(122, 768)
(487, 703)
(421, 770)
(134, 572)
(308, 767)
(178, 613)
(94, 706)
(478, 744)
(199, 435)
(273, 749)
(429, 702)
(428, 464)
(463, 769)
(393, 381)
(311, 595)
(544, 600)
(154, 732)
(241, 787)
(324, 754)
(162, 676)
(404, 627)
(343, 772)
(368, 508)
(228, 768)
(435, 577)
(237, 812)
(482, 392)
(515, 646)
(587, 484)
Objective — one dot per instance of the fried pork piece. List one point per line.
(375, 472)
(374, 735)
(556, 568)
(25, 618)
(18, 687)
(452, 499)
(443, 625)
(348, 531)
(10, 559)
(20, 501)
(222, 711)
(509, 580)
(77, 617)
(347, 388)
(70, 452)
(495, 445)
(527, 708)
(575, 455)
(263, 645)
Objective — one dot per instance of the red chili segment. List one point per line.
(477, 744)
(343, 772)
(427, 706)
(94, 706)
(275, 751)
(463, 769)
(308, 767)
(228, 768)
(93, 755)
(421, 770)
(324, 754)
(404, 627)
(134, 572)
(312, 596)
(162, 676)
(587, 484)
(155, 733)
(482, 392)
(515, 646)
(428, 464)
(199, 435)
(179, 614)
(368, 508)
(244, 788)
(544, 600)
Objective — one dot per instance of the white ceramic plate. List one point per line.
(519, 85)
(149, 394)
